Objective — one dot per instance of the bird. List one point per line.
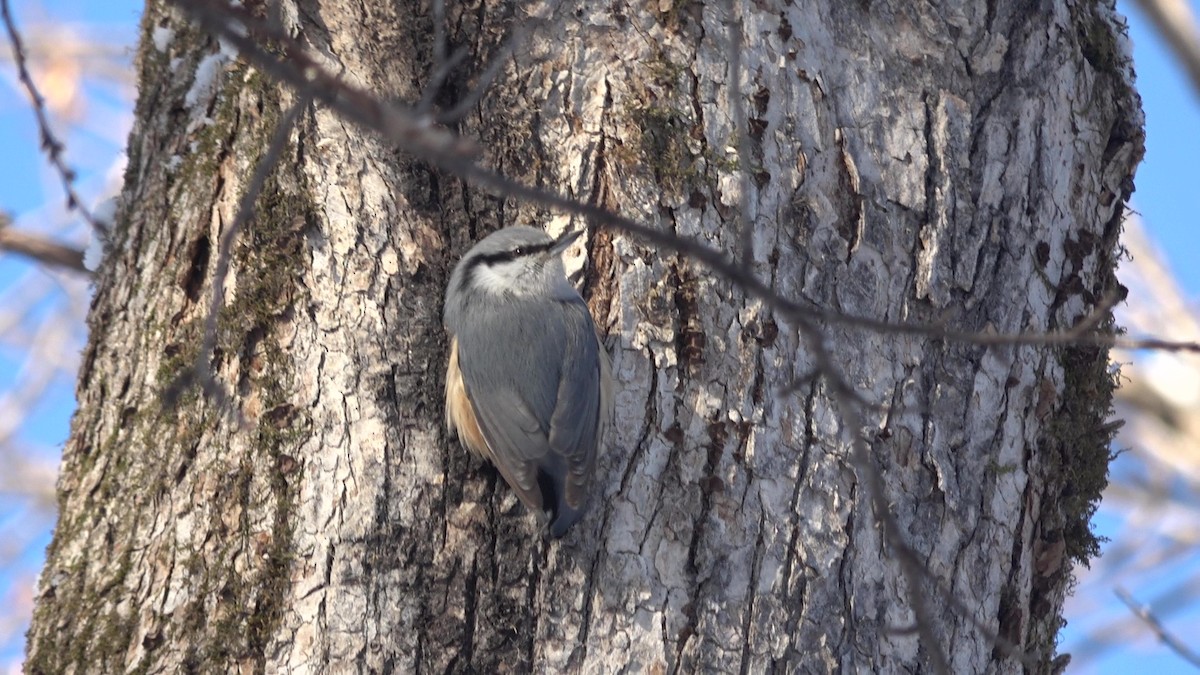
(528, 382)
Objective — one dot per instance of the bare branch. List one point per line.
(290, 63)
(438, 13)
(441, 71)
(868, 472)
(50, 143)
(201, 371)
(39, 248)
(411, 131)
(473, 97)
(914, 570)
(1143, 612)
(1176, 23)
(441, 148)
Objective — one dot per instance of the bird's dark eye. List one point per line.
(520, 250)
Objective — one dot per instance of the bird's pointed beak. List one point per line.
(564, 241)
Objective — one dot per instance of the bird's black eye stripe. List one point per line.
(499, 257)
(505, 256)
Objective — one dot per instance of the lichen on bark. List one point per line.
(905, 164)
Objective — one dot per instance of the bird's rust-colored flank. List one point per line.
(460, 416)
(462, 421)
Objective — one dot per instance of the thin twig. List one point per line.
(1177, 24)
(718, 262)
(868, 472)
(1144, 613)
(289, 62)
(443, 65)
(437, 11)
(409, 131)
(50, 143)
(476, 93)
(913, 569)
(201, 371)
(441, 71)
(457, 155)
(39, 248)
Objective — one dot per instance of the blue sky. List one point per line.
(1167, 196)
(31, 192)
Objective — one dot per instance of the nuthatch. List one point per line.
(528, 385)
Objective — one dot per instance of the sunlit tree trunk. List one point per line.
(957, 163)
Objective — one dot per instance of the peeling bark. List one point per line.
(958, 163)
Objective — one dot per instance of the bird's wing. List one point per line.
(538, 400)
(510, 369)
(576, 425)
(514, 438)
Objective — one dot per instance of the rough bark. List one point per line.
(959, 162)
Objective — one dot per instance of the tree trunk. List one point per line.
(949, 163)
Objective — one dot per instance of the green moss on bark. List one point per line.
(149, 450)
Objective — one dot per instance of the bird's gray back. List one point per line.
(526, 348)
(532, 372)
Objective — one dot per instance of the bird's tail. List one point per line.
(560, 514)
